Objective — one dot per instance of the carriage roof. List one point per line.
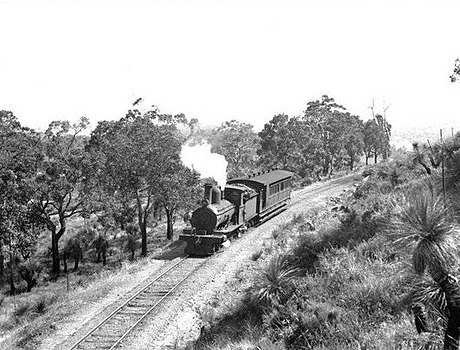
(264, 178)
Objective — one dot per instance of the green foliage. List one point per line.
(58, 195)
(256, 255)
(238, 143)
(456, 72)
(275, 285)
(325, 138)
(131, 241)
(424, 224)
(136, 162)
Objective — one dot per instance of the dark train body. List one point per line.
(243, 203)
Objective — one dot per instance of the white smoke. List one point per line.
(200, 158)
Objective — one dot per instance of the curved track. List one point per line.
(111, 331)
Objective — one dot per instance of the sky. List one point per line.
(223, 60)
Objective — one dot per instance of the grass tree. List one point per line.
(275, 284)
(425, 226)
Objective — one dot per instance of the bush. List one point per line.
(22, 309)
(275, 285)
(256, 255)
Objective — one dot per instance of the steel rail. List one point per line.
(149, 311)
(92, 330)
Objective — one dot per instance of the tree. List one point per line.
(278, 144)
(385, 129)
(375, 140)
(132, 156)
(59, 194)
(237, 142)
(425, 225)
(178, 190)
(339, 134)
(20, 156)
(353, 138)
(456, 74)
(383, 134)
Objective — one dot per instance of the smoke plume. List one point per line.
(200, 158)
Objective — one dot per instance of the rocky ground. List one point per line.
(178, 324)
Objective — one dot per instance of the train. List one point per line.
(244, 202)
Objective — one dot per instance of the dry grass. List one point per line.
(29, 319)
(356, 293)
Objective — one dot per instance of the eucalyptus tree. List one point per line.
(324, 117)
(279, 143)
(456, 73)
(20, 157)
(132, 157)
(375, 140)
(338, 134)
(239, 143)
(58, 194)
(353, 138)
(179, 191)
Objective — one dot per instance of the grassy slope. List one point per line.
(352, 291)
(27, 319)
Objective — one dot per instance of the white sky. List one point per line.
(222, 60)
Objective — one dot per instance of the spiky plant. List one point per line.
(275, 284)
(424, 224)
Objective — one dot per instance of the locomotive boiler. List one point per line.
(244, 202)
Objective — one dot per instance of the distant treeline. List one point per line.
(128, 173)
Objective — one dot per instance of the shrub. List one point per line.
(22, 309)
(42, 303)
(256, 255)
(274, 285)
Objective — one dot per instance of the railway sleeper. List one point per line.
(157, 292)
(135, 310)
(108, 336)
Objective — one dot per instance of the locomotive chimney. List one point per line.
(216, 195)
(208, 192)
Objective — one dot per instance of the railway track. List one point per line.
(112, 330)
(299, 196)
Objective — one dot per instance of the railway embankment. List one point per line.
(225, 278)
(329, 275)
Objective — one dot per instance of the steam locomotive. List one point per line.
(244, 202)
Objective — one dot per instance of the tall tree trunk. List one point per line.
(2, 266)
(143, 239)
(104, 255)
(55, 236)
(64, 257)
(12, 287)
(55, 252)
(77, 259)
(169, 221)
(142, 221)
